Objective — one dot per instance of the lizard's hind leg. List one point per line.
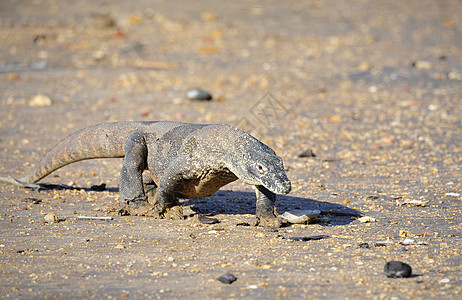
(133, 199)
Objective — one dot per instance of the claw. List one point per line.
(174, 213)
(267, 222)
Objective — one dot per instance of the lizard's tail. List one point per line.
(99, 141)
(18, 182)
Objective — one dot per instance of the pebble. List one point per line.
(243, 224)
(455, 76)
(411, 202)
(307, 153)
(367, 219)
(364, 66)
(98, 187)
(422, 64)
(40, 100)
(14, 76)
(407, 144)
(301, 216)
(227, 278)
(198, 94)
(307, 238)
(132, 46)
(408, 242)
(372, 89)
(364, 245)
(207, 220)
(405, 233)
(51, 218)
(397, 269)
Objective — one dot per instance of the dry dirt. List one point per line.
(372, 88)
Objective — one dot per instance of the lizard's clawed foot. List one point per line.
(139, 207)
(174, 213)
(170, 213)
(141, 210)
(267, 222)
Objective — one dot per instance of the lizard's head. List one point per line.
(257, 164)
(268, 170)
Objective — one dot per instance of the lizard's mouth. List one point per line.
(280, 188)
(284, 188)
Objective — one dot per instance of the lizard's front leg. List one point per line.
(132, 197)
(167, 206)
(166, 203)
(265, 215)
(149, 187)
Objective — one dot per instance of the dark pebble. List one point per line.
(98, 187)
(307, 153)
(32, 200)
(227, 278)
(207, 220)
(243, 224)
(198, 94)
(308, 238)
(397, 269)
(364, 245)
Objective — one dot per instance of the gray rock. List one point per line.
(397, 269)
(198, 94)
(307, 153)
(207, 220)
(301, 216)
(227, 278)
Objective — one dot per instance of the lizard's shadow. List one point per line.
(237, 202)
(61, 187)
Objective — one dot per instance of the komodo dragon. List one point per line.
(184, 160)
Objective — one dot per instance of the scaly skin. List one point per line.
(183, 160)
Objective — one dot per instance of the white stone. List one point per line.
(299, 216)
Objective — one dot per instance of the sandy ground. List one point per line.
(372, 88)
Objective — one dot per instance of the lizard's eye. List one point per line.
(261, 168)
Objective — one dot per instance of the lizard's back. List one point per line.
(99, 141)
